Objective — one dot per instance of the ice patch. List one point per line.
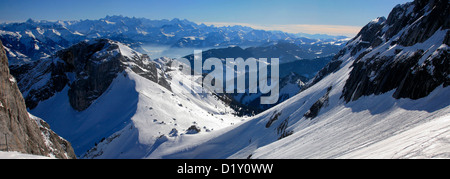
(78, 33)
(29, 33)
(12, 79)
(56, 32)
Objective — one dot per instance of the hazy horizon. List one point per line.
(331, 17)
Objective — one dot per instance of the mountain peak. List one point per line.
(88, 67)
(31, 21)
(378, 20)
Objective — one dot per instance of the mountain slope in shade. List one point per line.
(87, 67)
(115, 102)
(23, 132)
(385, 95)
(295, 71)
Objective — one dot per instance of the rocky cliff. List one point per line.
(87, 68)
(25, 133)
(408, 52)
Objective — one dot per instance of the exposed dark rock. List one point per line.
(50, 73)
(331, 67)
(23, 132)
(425, 27)
(315, 108)
(419, 82)
(94, 73)
(173, 133)
(378, 75)
(88, 68)
(58, 146)
(412, 72)
(193, 130)
(369, 35)
(281, 129)
(272, 119)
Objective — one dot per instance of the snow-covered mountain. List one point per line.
(103, 92)
(299, 63)
(286, 51)
(32, 40)
(77, 69)
(385, 95)
(250, 103)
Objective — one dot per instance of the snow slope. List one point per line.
(362, 126)
(337, 131)
(428, 140)
(382, 96)
(85, 128)
(351, 109)
(18, 155)
(135, 113)
(162, 116)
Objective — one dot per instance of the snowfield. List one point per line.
(18, 155)
(137, 118)
(381, 97)
(135, 115)
(162, 116)
(428, 140)
(361, 129)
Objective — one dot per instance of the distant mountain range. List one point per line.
(32, 40)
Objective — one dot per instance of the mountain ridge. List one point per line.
(340, 113)
(107, 92)
(32, 40)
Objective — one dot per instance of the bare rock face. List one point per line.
(93, 70)
(408, 52)
(87, 68)
(95, 64)
(48, 74)
(23, 133)
(315, 108)
(193, 130)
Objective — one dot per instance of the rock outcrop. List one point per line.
(94, 65)
(408, 52)
(315, 108)
(87, 68)
(24, 133)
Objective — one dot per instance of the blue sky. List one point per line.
(275, 14)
